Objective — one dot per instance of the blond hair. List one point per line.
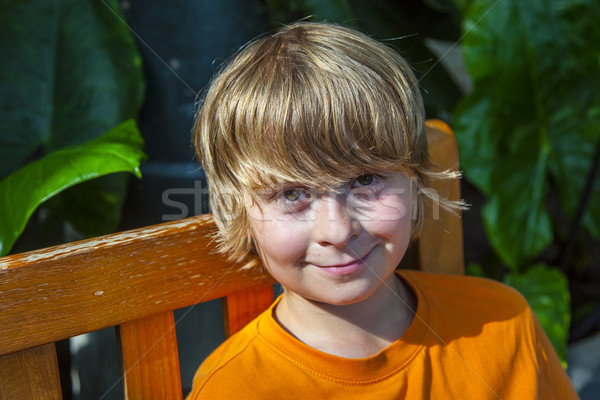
(312, 103)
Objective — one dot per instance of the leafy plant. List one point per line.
(545, 291)
(24, 190)
(528, 130)
(71, 72)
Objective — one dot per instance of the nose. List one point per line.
(333, 225)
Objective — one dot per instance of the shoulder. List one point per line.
(491, 327)
(463, 289)
(469, 301)
(474, 313)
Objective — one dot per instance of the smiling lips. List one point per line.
(344, 269)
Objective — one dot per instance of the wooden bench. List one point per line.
(135, 279)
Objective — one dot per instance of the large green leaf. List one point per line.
(532, 117)
(109, 193)
(547, 292)
(70, 72)
(21, 192)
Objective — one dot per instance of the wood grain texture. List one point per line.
(243, 306)
(149, 358)
(441, 241)
(63, 291)
(30, 374)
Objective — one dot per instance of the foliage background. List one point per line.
(71, 78)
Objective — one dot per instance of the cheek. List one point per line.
(392, 208)
(280, 241)
(389, 216)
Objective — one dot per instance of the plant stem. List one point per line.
(581, 209)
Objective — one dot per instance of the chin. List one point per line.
(345, 298)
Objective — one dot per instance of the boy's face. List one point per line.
(337, 248)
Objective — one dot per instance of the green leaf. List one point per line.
(572, 159)
(517, 206)
(532, 118)
(473, 269)
(547, 292)
(119, 149)
(70, 72)
(100, 217)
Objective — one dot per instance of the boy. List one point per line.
(313, 144)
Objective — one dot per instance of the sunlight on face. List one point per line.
(336, 247)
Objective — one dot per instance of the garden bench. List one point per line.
(134, 280)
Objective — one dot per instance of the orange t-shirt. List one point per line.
(471, 338)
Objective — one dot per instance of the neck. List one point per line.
(355, 330)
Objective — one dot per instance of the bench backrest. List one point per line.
(135, 279)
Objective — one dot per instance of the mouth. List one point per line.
(345, 268)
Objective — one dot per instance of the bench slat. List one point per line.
(241, 307)
(150, 359)
(441, 244)
(62, 291)
(30, 374)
